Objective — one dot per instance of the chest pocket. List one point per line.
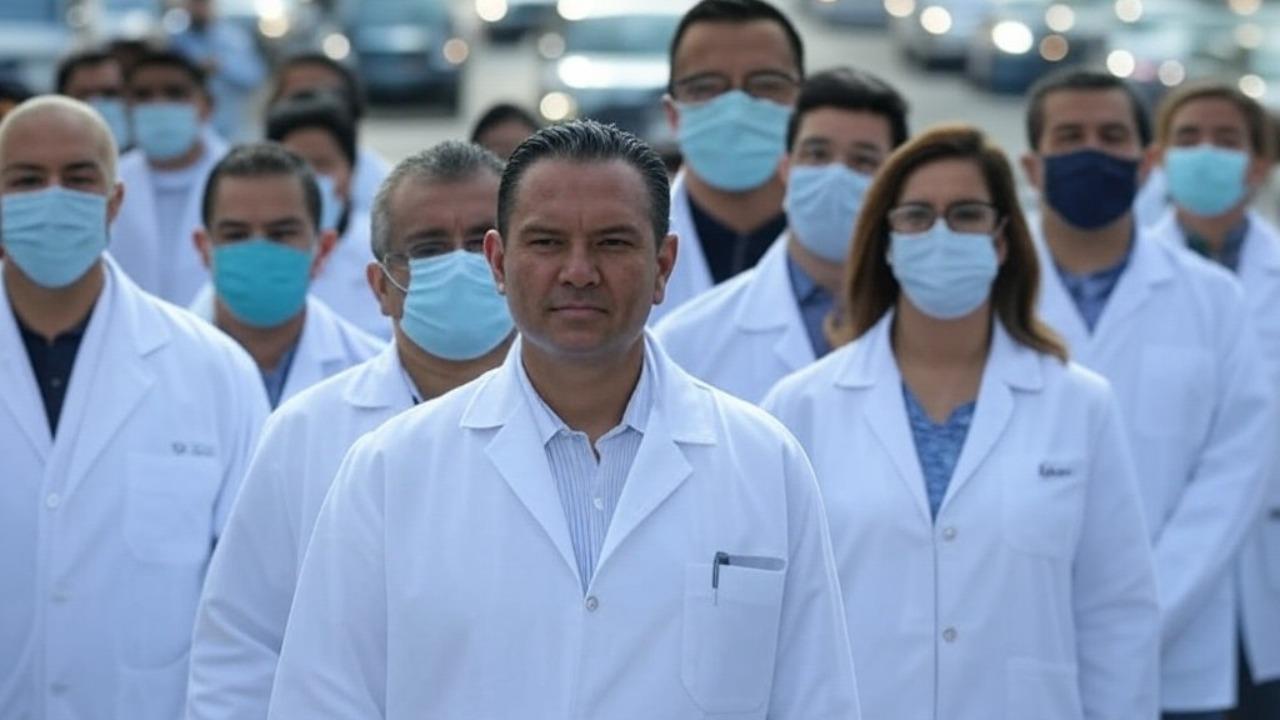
(1175, 390)
(730, 634)
(1042, 505)
(169, 511)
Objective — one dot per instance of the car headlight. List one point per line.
(455, 51)
(935, 20)
(336, 46)
(900, 8)
(557, 106)
(1012, 37)
(491, 10)
(576, 71)
(573, 9)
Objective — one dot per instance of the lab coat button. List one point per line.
(949, 635)
(949, 534)
(52, 501)
(592, 603)
(599, 503)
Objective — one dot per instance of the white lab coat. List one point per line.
(106, 530)
(1032, 596)
(1258, 573)
(367, 176)
(135, 235)
(1179, 349)
(343, 285)
(328, 344)
(691, 276)
(441, 582)
(743, 335)
(241, 621)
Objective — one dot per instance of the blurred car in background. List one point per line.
(866, 13)
(611, 65)
(114, 20)
(1022, 40)
(34, 34)
(407, 50)
(936, 33)
(1159, 46)
(281, 27)
(511, 20)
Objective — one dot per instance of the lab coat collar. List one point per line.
(1261, 251)
(322, 350)
(769, 305)
(379, 383)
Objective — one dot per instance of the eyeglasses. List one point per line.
(770, 85)
(962, 217)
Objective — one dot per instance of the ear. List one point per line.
(1001, 239)
(390, 301)
(204, 246)
(672, 112)
(666, 263)
(784, 167)
(496, 254)
(1033, 168)
(328, 239)
(204, 106)
(115, 199)
(1258, 172)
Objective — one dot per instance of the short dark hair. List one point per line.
(352, 91)
(588, 141)
(261, 159)
(14, 89)
(448, 162)
(77, 61)
(848, 89)
(167, 59)
(319, 110)
(501, 113)
(733, 11)
(1081, 79)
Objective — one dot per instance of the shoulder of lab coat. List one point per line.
(1114, 613)
(245, 605)
(691, 276)
(744, 334)
(338, 627)
(328, 345)
(343, 285)
(371, 169)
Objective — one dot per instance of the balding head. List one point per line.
(56, 116)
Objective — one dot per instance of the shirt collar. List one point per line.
(549, 424)
(1231, 244)
(1104, 276)
(802, 284)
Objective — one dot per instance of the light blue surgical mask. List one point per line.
(945, 274)
(261, 282)
(53, 235)
(116, 115)
(1206, 180)
(822, 204)
(165, 130)
(331, 206)
(734, 142)
(452, 308)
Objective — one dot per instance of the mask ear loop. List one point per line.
(392, 280)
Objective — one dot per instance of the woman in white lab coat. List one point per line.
(983, 508)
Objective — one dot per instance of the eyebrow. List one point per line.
(617, 230)
(279, 223)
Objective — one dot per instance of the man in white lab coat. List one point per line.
(165, 174)
(1215, 145)
(746, 334)
(736, 69)
(262, 244)
(433, 204)
(586, 531)
(125, 428)
(1172, 334)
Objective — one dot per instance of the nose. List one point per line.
(579, 269)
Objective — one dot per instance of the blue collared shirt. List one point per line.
(815, 304)
(938, 446)
(1232, 244)
(589, 485)
(275, 378)
(1091, 291)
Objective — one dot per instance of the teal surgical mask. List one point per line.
(261, 282)
(945, 274)
(165, 130)
(53, 235)
(734, 142)
(1206, 180)
(116, 115)
(452, 309)
(822, 204)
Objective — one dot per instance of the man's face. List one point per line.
(1218, 122)
(580, 265)
(503, 139)
(1075, 120)
(715, 57)
(858, 138)
(158, 83)
(430, 219)
(268, 206)
(56, 148)
(102, 80)
(320, 149)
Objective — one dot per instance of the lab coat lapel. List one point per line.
(1260, 256)
(20, 395)
(1056, 306)
(1147, 268)
(320, 350)
(380, 383)
(770, 306)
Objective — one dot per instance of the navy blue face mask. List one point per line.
(1089, 188)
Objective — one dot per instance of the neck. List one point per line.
(267, 346)
(827, 274)
(1086, 251)
(49, 312)
(921, 340)
(433, 376)
(740, 211)
(1213, 230)
(182, 162)
(590, 395)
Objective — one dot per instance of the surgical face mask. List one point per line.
(1206, 180)
(452, 308)
(945, 274)
(331, 206)
(735, 141)
(822, 204)
(116, 115)
(261, 282)
(1089, 188)
(165, 130)
(53, 235)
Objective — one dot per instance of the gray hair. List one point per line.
(448, 162)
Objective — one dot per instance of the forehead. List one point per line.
(307, 76)
(1209, 111)
(1088, 107)
(727, 47)
(569, 194)
(101, 71)
(258, 198)
(153, 75)
(53, 139)
(944, 180)
(430, 202)
(845, 126)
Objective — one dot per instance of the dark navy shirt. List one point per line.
(729, 253)
(52, 363)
